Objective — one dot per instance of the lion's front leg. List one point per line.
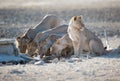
(76, 48)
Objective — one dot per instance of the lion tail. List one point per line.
(106, 40)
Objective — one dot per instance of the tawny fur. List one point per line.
(83, 39)
(43, 48)
(43, 40)
(48, 22)
(62, 47)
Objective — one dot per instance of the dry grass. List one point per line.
(17, 15)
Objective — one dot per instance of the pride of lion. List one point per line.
(44, 40)
(48, 22)
(52, 38)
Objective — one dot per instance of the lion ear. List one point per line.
(75, 18)
(18, 38)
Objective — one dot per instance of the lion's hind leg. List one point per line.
(96, 47)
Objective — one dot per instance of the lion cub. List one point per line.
(82, 38)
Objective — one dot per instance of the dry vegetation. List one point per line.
(16, 16)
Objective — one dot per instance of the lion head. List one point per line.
(22, 43)
(32, 49)
(76, 22)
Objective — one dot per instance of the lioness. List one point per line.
(59, 30)
(43, 40)
(62, 47)
(49, 21)
(43, 48)
(82, 38)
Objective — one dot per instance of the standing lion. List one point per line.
(82, 38)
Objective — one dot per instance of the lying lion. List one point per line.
(44, 40)
(82, 38)
(49, 21)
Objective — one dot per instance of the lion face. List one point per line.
(56, 48)
(32, 49)
(76, 22)
(22, 44)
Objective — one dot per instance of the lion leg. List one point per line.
(80, 49)
(59, 54)
(92, 45)
(96, 47)
(77, 49)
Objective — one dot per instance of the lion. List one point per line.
(82, 38)
(48, 22)
(44, 40)
(43, 48)
(59, 30)
(62, 47)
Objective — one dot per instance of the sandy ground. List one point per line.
(16, 16)
(101, 68)
(104, 68)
